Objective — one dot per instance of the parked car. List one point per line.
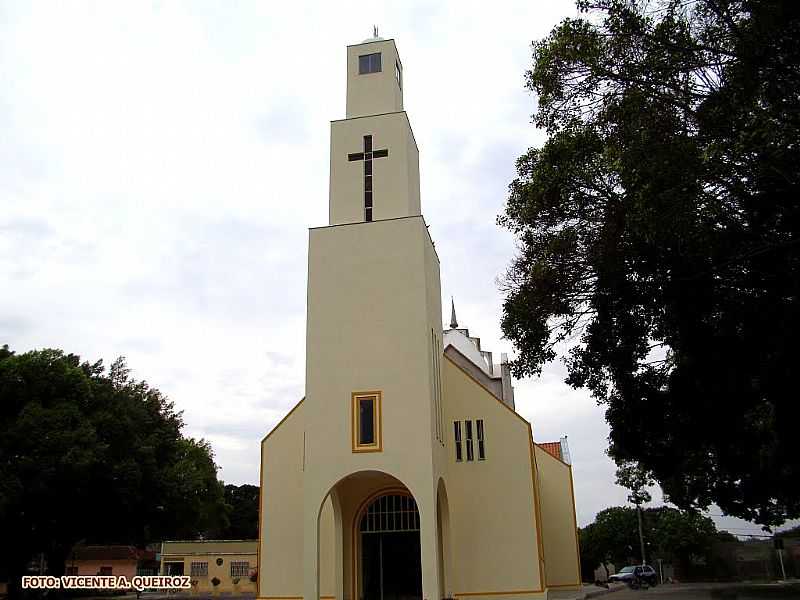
(633, 574)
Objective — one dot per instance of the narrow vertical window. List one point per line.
(437, 387)
(468, 425)
(481, 446)
(440, 415)
(366, 421)
(457, 432)
(366, 411)
(398, 73)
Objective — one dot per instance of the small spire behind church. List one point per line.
(453, 320)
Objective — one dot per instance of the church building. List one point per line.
(405, 471)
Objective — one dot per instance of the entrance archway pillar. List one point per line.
(429, 544)
(311, 514)
(338, 545)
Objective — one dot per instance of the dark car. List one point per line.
(633, 573)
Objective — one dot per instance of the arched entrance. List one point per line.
(387, 549)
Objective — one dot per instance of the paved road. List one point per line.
(709, 592)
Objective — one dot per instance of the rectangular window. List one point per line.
(199, 569)
(457, 431)
(367, 421)
(71, 570)
(481, 446)
(398, 74)
(106, 570)
(240, 568)
(468, 425)
(369, 63)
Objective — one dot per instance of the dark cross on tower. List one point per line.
(367, 155)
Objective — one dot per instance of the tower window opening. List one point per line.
(481, 445)
(470, 453)
(367, 422)
(369, 63)
(457, 432)
(398, 74)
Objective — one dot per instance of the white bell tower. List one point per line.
(374, 326)
(374, 157)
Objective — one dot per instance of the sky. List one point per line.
(161, 163)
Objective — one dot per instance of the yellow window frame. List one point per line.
(376, 397)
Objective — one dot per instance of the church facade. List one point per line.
(405, 471)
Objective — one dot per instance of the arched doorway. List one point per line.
(388, 548)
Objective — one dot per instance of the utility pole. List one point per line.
(641, 537)
(778, 543)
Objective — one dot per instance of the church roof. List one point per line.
(552, 448)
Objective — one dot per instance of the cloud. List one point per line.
(160, 165)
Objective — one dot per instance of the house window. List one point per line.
(72, 570)
(199, 569)
(457, 431)
(105, 570)
(366, 411)
(369, 63)
(481, 446)
(398, 74)
(240, 568)
(468, 426)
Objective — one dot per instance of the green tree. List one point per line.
(658, 232)
(677, 536)
(673, 535)
(613, 536)
(92, 456)
(242, 501)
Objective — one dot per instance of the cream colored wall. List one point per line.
(494, 541)
(281, 515)
(209, 551)
(395, 177)
(327, 549)
(368, 328)
(559, 530)
(373, 93)
(208, 546)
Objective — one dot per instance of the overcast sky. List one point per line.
(161, 162)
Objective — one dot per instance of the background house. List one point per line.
(111, 560)
(232, 562)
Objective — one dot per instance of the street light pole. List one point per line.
(641, 536)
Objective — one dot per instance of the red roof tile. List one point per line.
(553, 448)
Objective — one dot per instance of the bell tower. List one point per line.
(373, 400)
(374, 78)
(374, 157)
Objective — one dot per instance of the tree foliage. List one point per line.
(94, 456)
(670, 534)
(242, 501)
(658, 240)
